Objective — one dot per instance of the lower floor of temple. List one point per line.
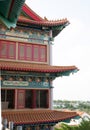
(24, 98)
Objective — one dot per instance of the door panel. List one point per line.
(21, 98)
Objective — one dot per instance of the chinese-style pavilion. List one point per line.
(26, 73)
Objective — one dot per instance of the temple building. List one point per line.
(26, 72)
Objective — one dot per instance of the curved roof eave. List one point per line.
(46, 23)
(56, 26)
(37, 116)
(33, 19)
(39, 68)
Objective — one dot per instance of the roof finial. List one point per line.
(45, 18)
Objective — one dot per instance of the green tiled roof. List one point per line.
(9, 11)
(4, 7)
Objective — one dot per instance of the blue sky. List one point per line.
(71, 46)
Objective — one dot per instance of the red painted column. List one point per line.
(15, 105)
(34, 99)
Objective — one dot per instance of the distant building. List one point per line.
(26, 72)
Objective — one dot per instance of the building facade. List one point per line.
(26, 73)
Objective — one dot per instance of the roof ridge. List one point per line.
(31, 13)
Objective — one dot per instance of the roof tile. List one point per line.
(43, 23)
(36, 116)
(6, 65)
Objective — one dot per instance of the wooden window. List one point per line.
(25, 52)
(43, 53)
(8, 50)
(36, 53)
(3, 52)
(32, 52)
(29, 52)
(11, 50)
(21, 51)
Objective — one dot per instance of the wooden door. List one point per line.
(21, 99)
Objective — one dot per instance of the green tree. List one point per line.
(84, 125)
